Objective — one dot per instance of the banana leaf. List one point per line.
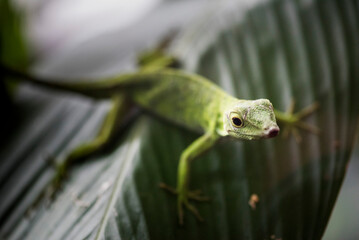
(282, 50)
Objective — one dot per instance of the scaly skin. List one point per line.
(186, 99)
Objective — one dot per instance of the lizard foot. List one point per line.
(48, 194)
(294, 121)
(55, 184)
(182, 200)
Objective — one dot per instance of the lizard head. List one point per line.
(251, 119)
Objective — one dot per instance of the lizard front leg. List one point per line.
(294, 121)
(199, 146)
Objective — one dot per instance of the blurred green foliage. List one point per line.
(12, 45)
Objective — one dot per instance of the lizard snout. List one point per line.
(272, 131)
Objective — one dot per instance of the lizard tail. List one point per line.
(93, 89)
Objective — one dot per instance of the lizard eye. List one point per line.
(237, 122)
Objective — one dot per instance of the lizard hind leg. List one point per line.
(105, 134)
(158, 58)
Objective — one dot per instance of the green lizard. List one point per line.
(183, 98)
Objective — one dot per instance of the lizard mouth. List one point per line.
(248, 136)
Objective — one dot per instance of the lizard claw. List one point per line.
(192, 195)
(183, 201)
(190, 207)
(197, 196)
